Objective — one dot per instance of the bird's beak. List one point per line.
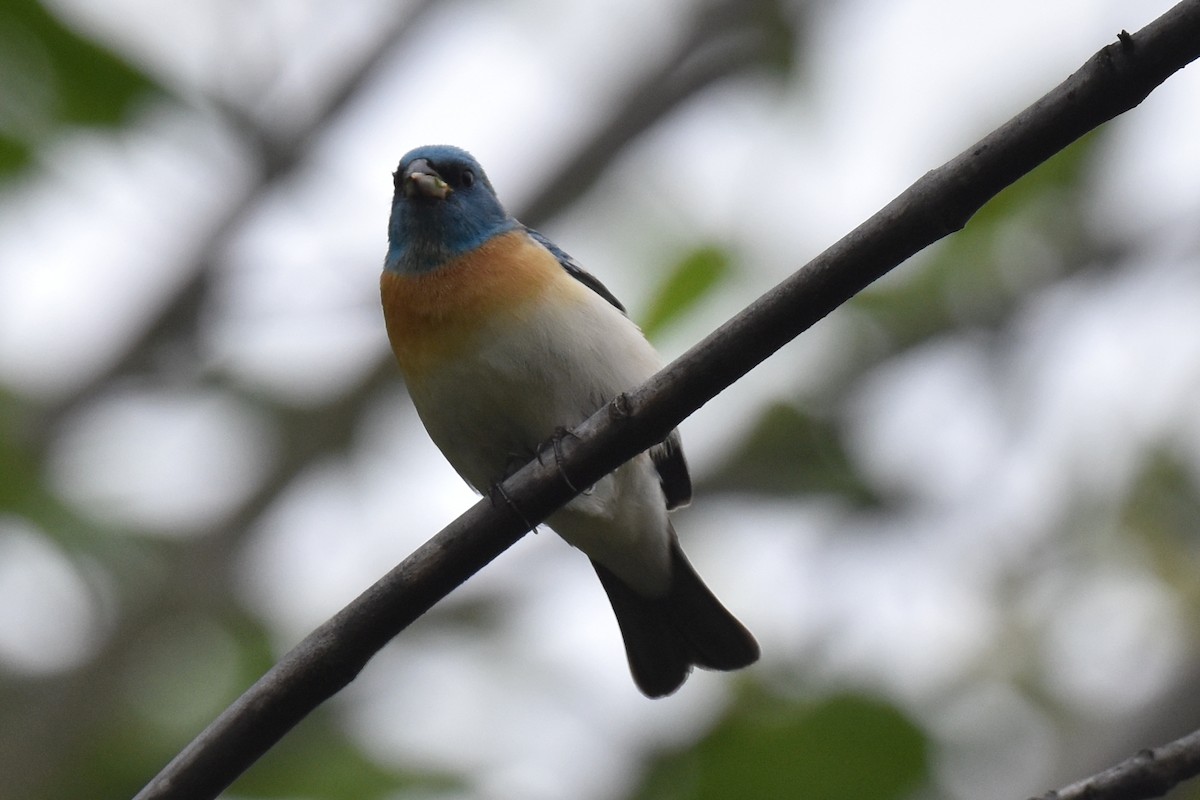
(420, 178)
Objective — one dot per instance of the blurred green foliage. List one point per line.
(22, 489)
(792, 452)
(1162, 511)
(317, 760)
(695, 277)
(1027, 236)
(21, 479)
(845, 747)
(55, 77)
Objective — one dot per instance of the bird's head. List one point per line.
(444, 206)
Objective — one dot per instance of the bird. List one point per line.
(505, 342)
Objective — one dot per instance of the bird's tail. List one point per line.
(666, 636)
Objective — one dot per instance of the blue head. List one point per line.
(444, 206)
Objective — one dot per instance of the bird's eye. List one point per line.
(467, 178)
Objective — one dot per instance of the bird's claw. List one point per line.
(556, 440)
(497, 495)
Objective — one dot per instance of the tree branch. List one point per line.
(723, 39)
(1150, 773)
(1115, 80)
(278, 156)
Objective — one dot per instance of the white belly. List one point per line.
(551, 367)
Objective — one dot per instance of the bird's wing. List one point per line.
(668, 457)
(672, 471)
(574, 270)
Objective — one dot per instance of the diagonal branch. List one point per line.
(1114, 80)
(1150, 773)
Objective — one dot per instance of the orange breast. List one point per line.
(434, 316)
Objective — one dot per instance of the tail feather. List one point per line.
(666, 636)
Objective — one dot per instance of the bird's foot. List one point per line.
(497, 495)
(555, 442)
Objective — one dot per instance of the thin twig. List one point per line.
(1150, 773)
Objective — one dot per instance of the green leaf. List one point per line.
(1164, 501)
(53, 77)
(848, 747)
(787, 453)
(689, 282)
(14, 155)
(124, 747)
(1161, 512)
(24, 493)
(782, 28)
(1024, 238)
(318, 760)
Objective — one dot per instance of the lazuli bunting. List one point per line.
(504, 342)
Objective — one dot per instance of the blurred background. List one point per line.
(962, 514)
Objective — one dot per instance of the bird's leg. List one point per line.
(515, 462)
(556, 440)
(497, 494)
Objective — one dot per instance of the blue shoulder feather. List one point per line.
(574, 270)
